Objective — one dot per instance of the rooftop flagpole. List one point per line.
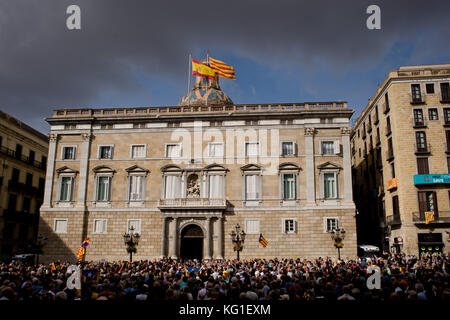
(189, 74)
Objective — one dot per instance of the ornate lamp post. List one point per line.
(237, 237)
(338, 236)
(39, 244)
(131, 240)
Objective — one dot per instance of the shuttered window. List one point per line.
(422, 166)
(427, 203)
(395, 206)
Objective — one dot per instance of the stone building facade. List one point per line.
(23, 157)
(401, 164)
(184, 176)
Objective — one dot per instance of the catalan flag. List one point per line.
(222, 69)
(202, 70)
(263, 240)
(80, 253)
(429, 217)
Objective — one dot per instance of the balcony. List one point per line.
(23, 188)
(419, 123)
(369, 128)
(445, 98)
(12, 154)
(393, 220)
(416, 98)
(192, 203)
(424, 148)
(439, 217)
(386, 108)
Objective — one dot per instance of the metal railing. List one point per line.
(20, 187)
(439, 217)
(393, 220)
(191, 203)
(13, 154)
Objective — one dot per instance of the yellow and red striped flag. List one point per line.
(202, 70)
(429, 217)
(80, 253)
(223, 70)
(263, 240)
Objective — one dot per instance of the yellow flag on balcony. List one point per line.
(429, 217)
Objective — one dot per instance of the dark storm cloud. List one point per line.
(45, 66)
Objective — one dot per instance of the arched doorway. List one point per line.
(191, 242)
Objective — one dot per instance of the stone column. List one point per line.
(310, 172)
(208, 239)
(53, 138)
(163, 240)
(84, 161)
(174, 238)
(348, 193)
(219, 251)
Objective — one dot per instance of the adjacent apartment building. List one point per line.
(401, 162)
(23, 156)
(184, 176)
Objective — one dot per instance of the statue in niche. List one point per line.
(193, 186)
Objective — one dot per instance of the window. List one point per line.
(416, 95)
(26, 204)
(103, 188)
(105, 152)
(172, 187)
(251, 149)
(447, 115)
(445, 92)
(15, 175)
(448, 165)
(395, 207)
(100, 226)
(287, 148)
(331, 224)
(252, 187)
(418, 117)
(32, 156)
(136, 187)
(60, 226)
(41, 184)
(173, 150)
(429, 88)
(447, 137)
(422, 166)
(433, 114)
(68, 153)
(289, 226)
(421, 141)
(386, 101)
(388, 125)
(136, 224)
(252, 226)
(393, 170)
(358, 133)
(138, 151)
(390, 150)
(329, 180)
(215, 149)
(427, 202)
(12, 202)
(29, 180)
(66, 189)
(328, 147)
(289, 186)
(18, 151)
(216, 187)
(376, 114)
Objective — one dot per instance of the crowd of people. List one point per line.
(402, 278)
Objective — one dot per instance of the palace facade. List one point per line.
(184, 176)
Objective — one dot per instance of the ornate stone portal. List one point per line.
(193, 186)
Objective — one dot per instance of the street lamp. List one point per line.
(338, 236)
(237, 237)
(39, 244)
(131, 240)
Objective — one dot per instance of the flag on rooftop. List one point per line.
(202, 70)
(222, 69)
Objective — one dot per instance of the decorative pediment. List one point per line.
(289, 166)
(137, 169)
(171, 168)
(66, 169)
(329, 165)
(251, 167)
(215, 167)
(103, 169)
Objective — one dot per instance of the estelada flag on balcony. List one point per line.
(263, 240)
(429, 217)
(202, 70)
(223, 70)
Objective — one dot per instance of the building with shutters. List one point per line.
(401, 162)
(23, 159)
(184, 176)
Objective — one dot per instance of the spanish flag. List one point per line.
(202, 70)
(429, 217)
(223, 70)
(263, 240)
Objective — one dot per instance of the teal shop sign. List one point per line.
(431, 178)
